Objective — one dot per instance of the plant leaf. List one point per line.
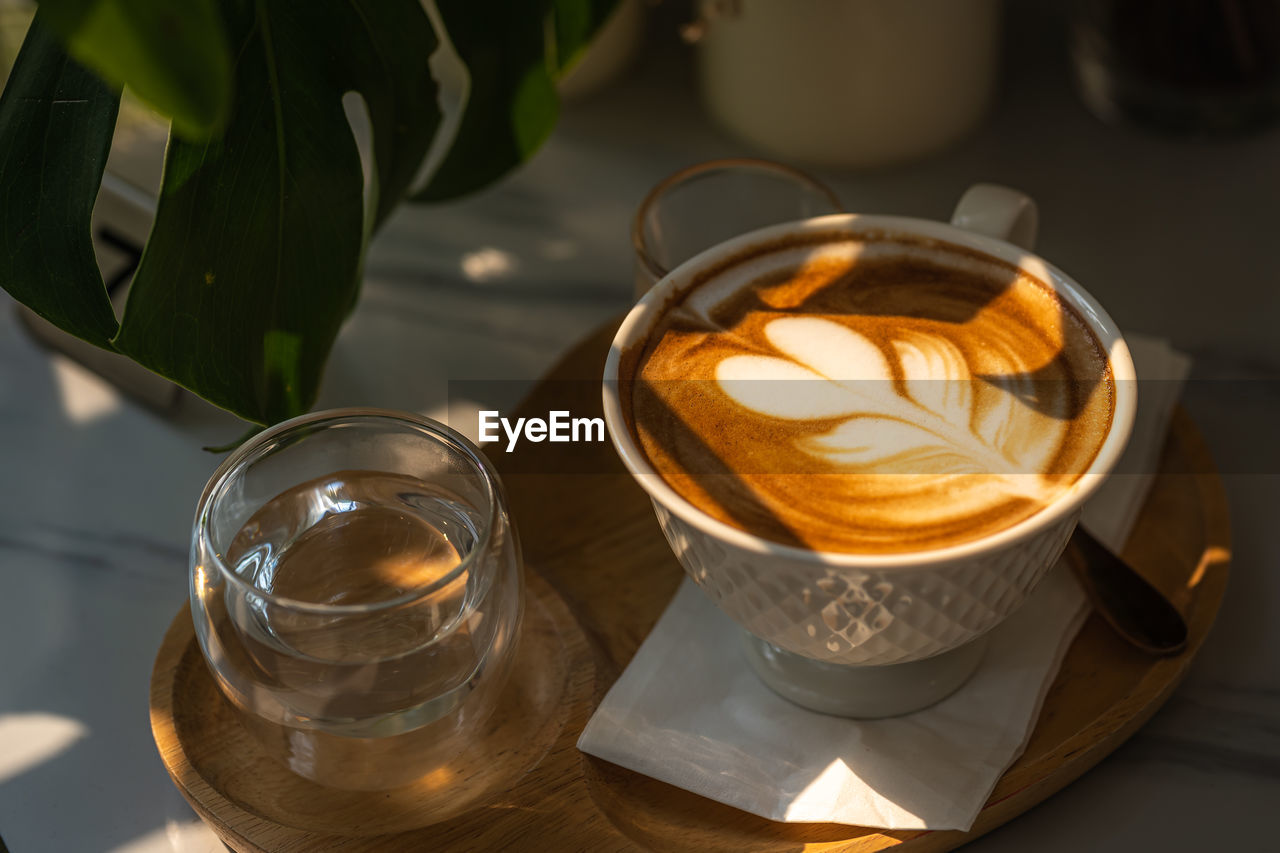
(173, 55)
(387, 63)
(254, 258)
(513, 50)
(56, 120)
(575, 23)
(511, 106)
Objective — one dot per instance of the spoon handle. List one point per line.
(1137, 611)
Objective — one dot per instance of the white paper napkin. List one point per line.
(688, 709)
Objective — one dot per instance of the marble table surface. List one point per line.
(1175, 237)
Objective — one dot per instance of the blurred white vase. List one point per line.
(849, 83)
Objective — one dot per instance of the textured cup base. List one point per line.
(864, 692)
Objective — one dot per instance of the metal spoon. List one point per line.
(1133, 607)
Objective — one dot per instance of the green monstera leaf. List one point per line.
(511, 104)
(173, 55)
(47, 188)
(254, 259)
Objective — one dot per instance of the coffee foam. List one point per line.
(870, 395)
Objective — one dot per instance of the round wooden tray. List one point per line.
(599, 574)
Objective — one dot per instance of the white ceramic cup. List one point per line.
(873, 635)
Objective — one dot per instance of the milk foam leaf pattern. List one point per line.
(870, 442)
(784, 389)
(936, 376)
(827, 370)
(828, 348)
(174, 56)
(47, 188)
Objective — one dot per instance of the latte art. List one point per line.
(872, 397)
(834, 371)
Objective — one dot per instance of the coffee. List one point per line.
(873, 393)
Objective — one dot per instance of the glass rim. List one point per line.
(680, 176)
(257, 447)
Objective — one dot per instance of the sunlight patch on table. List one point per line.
(487, 264)
(29, 740)
(175, 837)
(85, 396)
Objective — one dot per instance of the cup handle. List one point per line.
(998, 212)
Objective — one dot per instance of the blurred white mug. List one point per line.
(852, 83)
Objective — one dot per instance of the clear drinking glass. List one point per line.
(356, 590)
(708, 203)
